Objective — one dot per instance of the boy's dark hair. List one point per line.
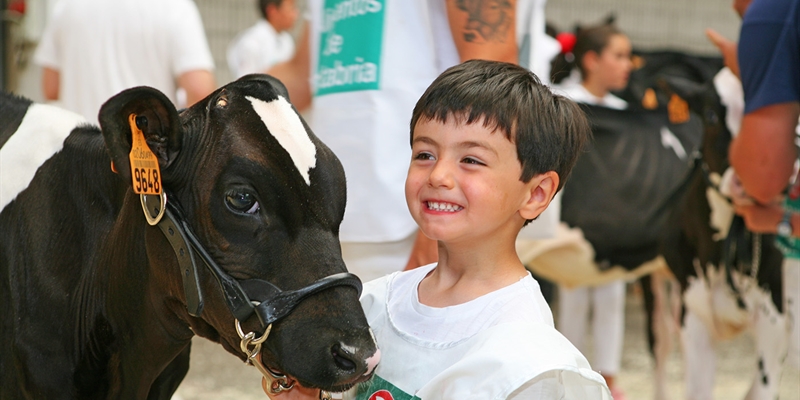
(549, 130)
(262, 6)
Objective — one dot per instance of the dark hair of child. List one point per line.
(593, 38)
(549, 130)
(262, 6)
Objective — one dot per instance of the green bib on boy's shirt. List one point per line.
(380, 389)
(790, 246)
(351, 44)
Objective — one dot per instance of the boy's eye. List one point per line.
(423, 156)
(470, 160)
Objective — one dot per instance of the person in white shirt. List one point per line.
(603, 56)
(266, 43)
(93, 49)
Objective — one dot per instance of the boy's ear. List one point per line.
(542, 188)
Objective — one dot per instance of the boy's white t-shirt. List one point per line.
(459, 322)
(499, 346)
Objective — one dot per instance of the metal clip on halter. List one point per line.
(277, 382)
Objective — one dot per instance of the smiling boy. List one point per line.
(491, 146)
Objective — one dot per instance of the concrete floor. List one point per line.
(215, 374)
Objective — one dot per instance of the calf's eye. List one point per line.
(241, 202)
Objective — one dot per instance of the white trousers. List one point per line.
(606, 306)
(373, 260)
(791, 308)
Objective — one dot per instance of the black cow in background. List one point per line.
(621, 191)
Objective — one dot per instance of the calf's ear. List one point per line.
(275, 82)
(155, 116)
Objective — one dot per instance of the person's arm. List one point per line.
(484, 30)
(765, 219)
(296, 393)
(198, 84)
(296, 72)
(763, 154)
(51, 79)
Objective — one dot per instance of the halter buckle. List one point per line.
(154, 217)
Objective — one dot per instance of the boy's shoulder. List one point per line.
(396, 295)
(522, 351)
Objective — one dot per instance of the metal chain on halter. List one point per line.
(756, 256)
(755, 264)
(277, 382)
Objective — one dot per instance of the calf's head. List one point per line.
(264, 198)
(702, 99)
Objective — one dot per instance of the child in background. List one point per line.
(491, 146)
(266, 43)
(603, 57)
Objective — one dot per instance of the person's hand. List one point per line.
(297, 392)
(730, 186)
(727, 48)
(761, 218)
(424, 252)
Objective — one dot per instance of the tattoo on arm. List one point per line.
(489, 20)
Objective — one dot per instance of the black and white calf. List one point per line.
(729, 279)
(102, 289)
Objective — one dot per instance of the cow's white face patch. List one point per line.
(285, 125)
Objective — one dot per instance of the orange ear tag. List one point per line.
(144, 164)
(678, 110)
(649, 100)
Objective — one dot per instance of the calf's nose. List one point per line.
(347, 359)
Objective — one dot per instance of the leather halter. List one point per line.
(250, 296)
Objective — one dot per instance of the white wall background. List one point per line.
(651, 24)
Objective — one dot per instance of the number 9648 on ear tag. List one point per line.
(144, 164)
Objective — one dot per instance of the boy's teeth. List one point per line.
(441, 206)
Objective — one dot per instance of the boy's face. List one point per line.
(464, 181)
(283, 17)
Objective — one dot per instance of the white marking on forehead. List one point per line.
(40, 135)
(285, 125)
